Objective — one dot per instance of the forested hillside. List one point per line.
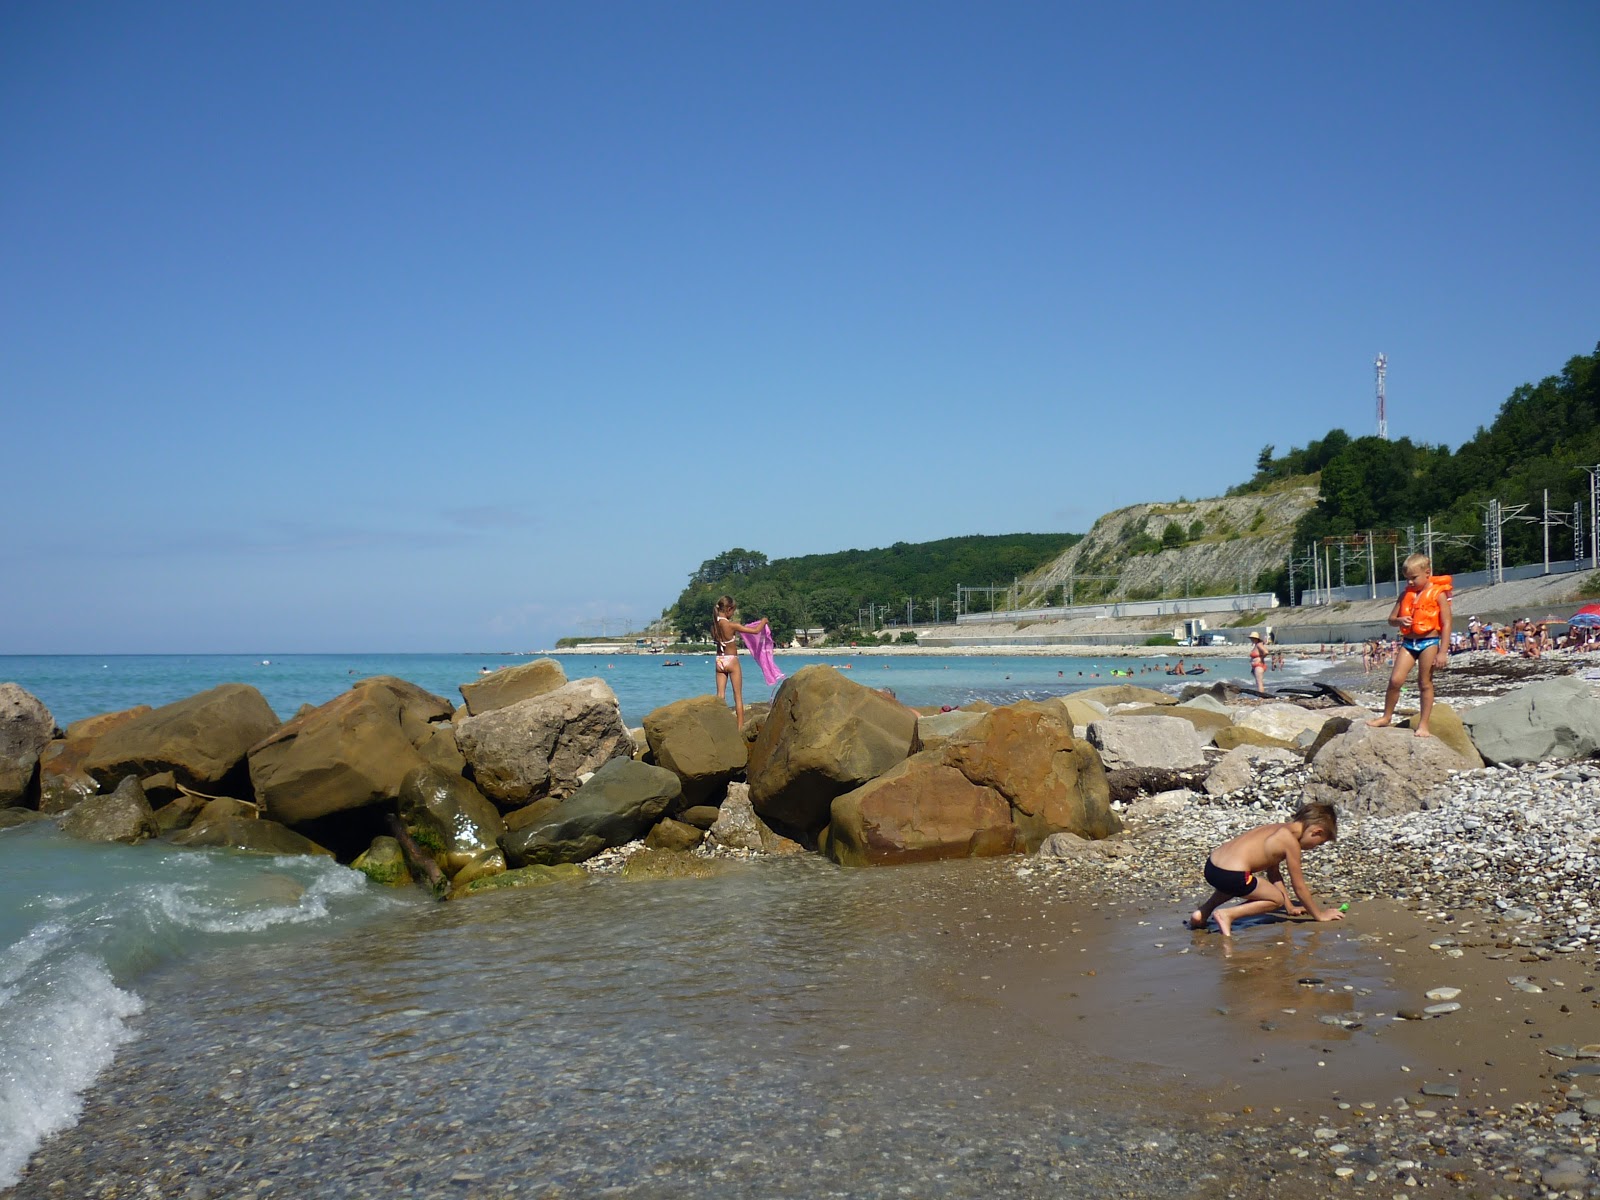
(831, 591)
(1543, 437)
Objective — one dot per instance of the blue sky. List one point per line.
(394, 326)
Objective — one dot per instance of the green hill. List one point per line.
(1544, 437)
(832, 591)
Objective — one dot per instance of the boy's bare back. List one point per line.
(1256, 850)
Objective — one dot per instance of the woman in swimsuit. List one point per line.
(725, 632)
(1258, 664)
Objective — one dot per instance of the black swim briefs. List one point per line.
(1234, 883)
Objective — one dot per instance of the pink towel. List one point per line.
(759, 644)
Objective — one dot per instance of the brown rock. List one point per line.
(1055, 782)
(541, 746)
(62, 780)
(1206, 723)
(1125, 693)
(180, 813)
(123, 816)
(698, 741)
(668, 834)
(509, 685)
(920, 810)
(1235, 736)
(701, 816)
(245, 833)
(825, 736)
(449, 816)
(202, 740)
(351, 752)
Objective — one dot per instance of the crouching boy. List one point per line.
(1248, 868)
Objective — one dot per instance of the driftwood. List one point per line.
(1129, 783)
(189, 791)
(419, 860)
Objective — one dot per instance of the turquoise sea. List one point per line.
(573, 1042)
(74, 686)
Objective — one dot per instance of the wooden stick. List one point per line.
(420, 860)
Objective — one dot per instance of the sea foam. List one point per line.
(81, 923)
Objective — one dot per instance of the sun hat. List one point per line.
(1256, 636)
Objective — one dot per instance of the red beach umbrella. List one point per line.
(1588, 615)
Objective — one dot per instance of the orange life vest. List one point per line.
(1422, 606)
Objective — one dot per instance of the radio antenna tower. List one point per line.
(1383, 408)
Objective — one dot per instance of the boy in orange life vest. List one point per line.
(1422, 614)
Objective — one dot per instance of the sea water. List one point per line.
(89, 932)
(81, 925)
(74, 686)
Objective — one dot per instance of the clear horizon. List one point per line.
(364, 328)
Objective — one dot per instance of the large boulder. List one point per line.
(541, 746)
(1082, 712)
(919, 810)
(123, 816)
(1445, 724)
(62, 780)
(510, 685)
(698, 741)
(1170, 743)
(935, 729)
(1538, 722)
(26, 726)
(825, 736)
(349, 753)
(1237, 768)
(1285, 722)
(1207, 723)
(449, 816)
(1381, 772)
(1053, 782)
(621, 801)
(202, 740)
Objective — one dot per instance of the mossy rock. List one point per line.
(667, 864)
(522, 877)
(490, 862)
(384, 863)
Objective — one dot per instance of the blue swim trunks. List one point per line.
(1418, 645)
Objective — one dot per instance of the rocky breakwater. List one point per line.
(530, 777)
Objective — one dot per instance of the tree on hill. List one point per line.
(1543, 438)
(828, 591)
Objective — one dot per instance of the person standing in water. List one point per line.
(725, 631)
(1258, 663)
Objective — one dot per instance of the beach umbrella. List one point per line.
(1584, 620)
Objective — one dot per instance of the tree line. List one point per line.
(845, 593)
(1543, 438)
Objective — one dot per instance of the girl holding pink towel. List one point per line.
(725, 631)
